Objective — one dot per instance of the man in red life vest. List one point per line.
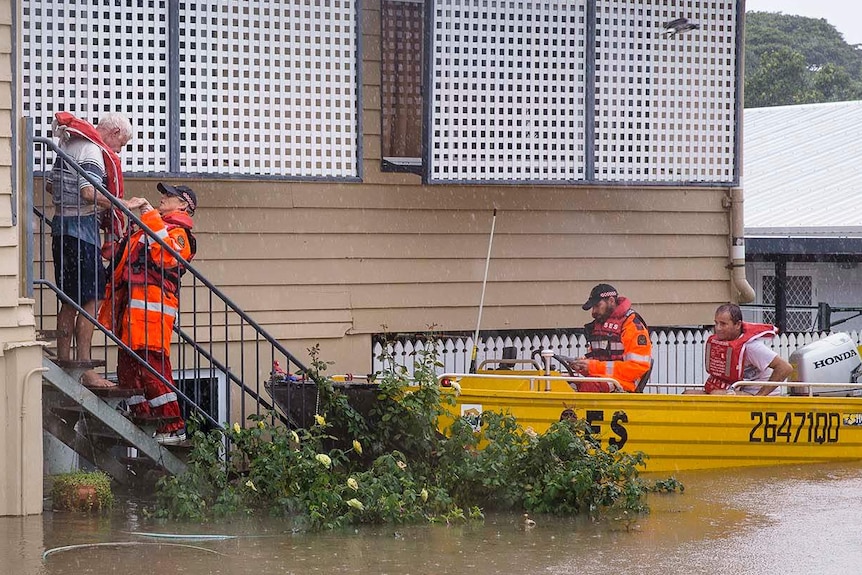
(144, 302)
(736, 352)
(619, 343)
(79, 213)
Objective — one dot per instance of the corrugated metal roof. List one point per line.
(802, 171)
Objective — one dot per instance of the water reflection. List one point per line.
(780, 520)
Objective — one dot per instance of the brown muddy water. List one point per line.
(790, 520)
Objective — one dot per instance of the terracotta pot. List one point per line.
(86, 498)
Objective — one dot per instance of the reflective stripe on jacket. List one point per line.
(143, 305)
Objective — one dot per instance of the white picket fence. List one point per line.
(677, 355)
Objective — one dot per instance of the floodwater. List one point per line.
(788, 520)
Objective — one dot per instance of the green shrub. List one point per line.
(82, 491)
(394, 465)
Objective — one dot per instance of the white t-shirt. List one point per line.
(755, 365)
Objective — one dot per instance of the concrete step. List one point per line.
(73, 364)
(47, 334)
(73, 410)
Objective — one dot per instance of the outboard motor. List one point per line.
(833, 359)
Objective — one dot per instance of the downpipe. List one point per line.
(27, 377)
(744, 291)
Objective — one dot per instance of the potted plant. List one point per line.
(82, 491)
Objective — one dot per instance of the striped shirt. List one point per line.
(73, 215)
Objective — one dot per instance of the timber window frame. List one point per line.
(402, 53)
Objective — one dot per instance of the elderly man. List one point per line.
(736, 352)
(79, 272)
(618, 340)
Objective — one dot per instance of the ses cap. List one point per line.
(599, 293)
(185, 193)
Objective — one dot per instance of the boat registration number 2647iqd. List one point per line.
(794, 427)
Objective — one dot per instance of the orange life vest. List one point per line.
(143, 270)
(724, 359)
(142, 304)
(605, 339)
(620, 346)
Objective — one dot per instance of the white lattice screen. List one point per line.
(508, 90)
(92, 57)
(266, 88)
(665, 104)
(269, 87)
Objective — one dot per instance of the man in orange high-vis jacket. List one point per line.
(619, 343)
(142, 303)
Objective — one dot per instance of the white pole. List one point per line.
(482, 299)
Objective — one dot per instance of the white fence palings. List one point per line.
(677, 354)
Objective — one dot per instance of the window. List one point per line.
(800, 291)
(507, 92)
(566, 91)
(402, 24)
(662, 105)
(115, 61)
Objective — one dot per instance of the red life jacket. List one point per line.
(112, 221)
(143, 270)
(605, 339)
(724, 359)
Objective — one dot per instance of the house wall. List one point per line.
(336, 262)
(20, 354)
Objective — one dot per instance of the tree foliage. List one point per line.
(798, 60)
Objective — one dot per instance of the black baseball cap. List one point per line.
(183, 192)
(599, 293)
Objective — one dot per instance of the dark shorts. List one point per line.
(78, 269)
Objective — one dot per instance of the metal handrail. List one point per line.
(809, 384)
(509, 362)
(109, 334)
(216, 298)
(228, 373)
(186, 264)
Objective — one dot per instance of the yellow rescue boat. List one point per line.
(677, 432)
(815, 420)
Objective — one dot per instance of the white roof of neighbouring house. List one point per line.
(802, 172)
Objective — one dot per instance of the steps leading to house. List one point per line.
(66, 403)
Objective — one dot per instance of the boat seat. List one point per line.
(644, 379)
